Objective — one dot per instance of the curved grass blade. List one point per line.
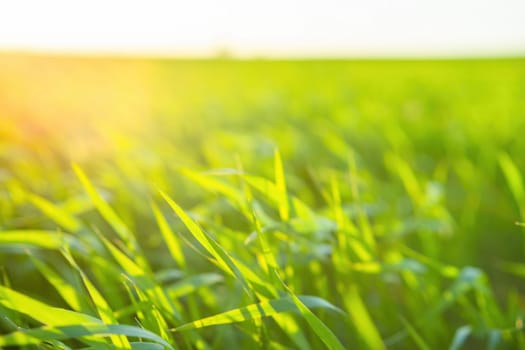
(223, 259)
(152, 318)
(271, 267)
(55, 213)
(171, 239)
(65, 289)
(192, 283)
(43, 313)
(460, 337)
(36, 335)
(322, 330)
(211, 183)
(255, 281)
(146, 346)
(108, 213)
(259, 310)
(104, 310)
(37, 238)
(143, 279)
(134, 346)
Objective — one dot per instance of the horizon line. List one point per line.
(225, 54)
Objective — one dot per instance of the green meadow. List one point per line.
(224, 204)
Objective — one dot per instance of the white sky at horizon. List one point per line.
(271, 28)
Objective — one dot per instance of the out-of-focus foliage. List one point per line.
(261, 203)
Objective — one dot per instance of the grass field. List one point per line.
(152, 204)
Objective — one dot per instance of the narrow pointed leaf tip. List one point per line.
(259, 310)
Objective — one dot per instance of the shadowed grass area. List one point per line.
(150, 204)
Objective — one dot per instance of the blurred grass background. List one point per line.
(431, 140)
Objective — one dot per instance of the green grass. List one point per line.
(161, 204)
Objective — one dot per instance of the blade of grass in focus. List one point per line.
(263, 309)
(36, 335)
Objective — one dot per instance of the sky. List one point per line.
(271, 28)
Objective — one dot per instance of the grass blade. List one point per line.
(361, 318)
(322, 331)
(280, 183)
(106, 211)
(420, 342)
(36, 335)
(461, 336)
(142, 278)
(256, 311)
(54, 212)
(65, 289)
(170, 237)
(104, 310)
(193, 283)
(514, 180)
(222, 257)
(36, 238)
(43, 313)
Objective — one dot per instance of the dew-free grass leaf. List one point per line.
(460, 337)
(129, 266)
(190, 284)
(36, 238)
(268, 260)
(170, 238)
(146, 346)
(514, 179)
(280, 184)
(264, 186)
(103, 308)
(167, 275)
(361, 317)
(209, 182)
(400, 167)
(54, 212)
(65, 289)
(259, 310)
(134, 346)
(43, 313)
(153, 318)
(418, 339)
(269, 263)
(253, 277)
(322, 330)
(223, 259)
(105, 209)
(141, 277)
(36, 335)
